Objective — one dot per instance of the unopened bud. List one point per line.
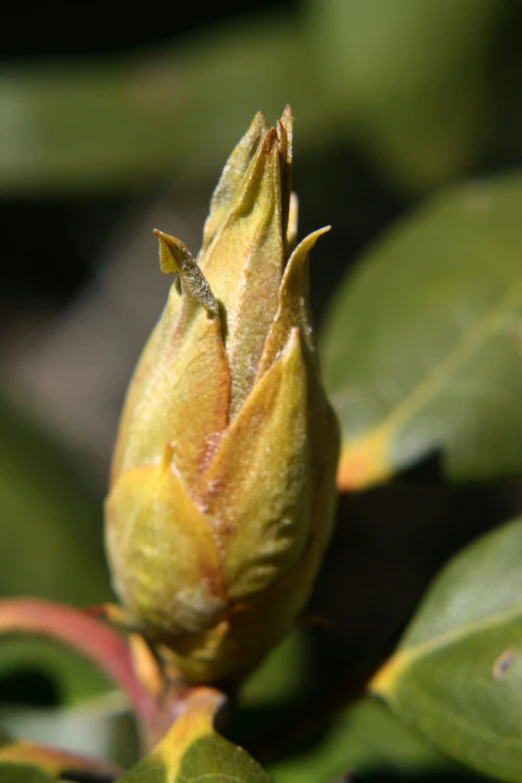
(223, 481)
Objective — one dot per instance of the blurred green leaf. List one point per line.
(192, 750)
(50, 546)
(413, 80)
(281, 676)
(31, 763)
(74, 677)
(23, 773)
(51, 521)
(99, 728)
(364, 738)
(423, 347)
(411, 83)
(272, 698)
(141, 118)
(457, 674)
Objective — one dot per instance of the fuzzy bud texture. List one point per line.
(223, 481)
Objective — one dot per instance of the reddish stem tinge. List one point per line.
(157, 698)
(93, 639)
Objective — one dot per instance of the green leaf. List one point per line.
(121, 661)
(51, 531)
(26, 762)
(423, 347)
(74, 677)
(272, 695)
(365, 738)
(420, 109)
(372, 72)
(457, 674)
(92, 125)
(23, 773)
(219, 760)
(210, 757)
(48, 513)
(192, 750)
(280, 678)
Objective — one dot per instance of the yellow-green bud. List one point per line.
(223, 481)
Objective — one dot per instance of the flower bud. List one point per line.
(223, 481)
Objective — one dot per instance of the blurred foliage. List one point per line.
(50, 546)
(51, 519)
(300, 741)
(412, 81)
(422, 345)
(23, 773)
(281, 677)
(27, 761)
(364, 739)
(411, 84)
(70, 678)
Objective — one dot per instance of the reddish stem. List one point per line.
(91, 638)
(155, 707)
